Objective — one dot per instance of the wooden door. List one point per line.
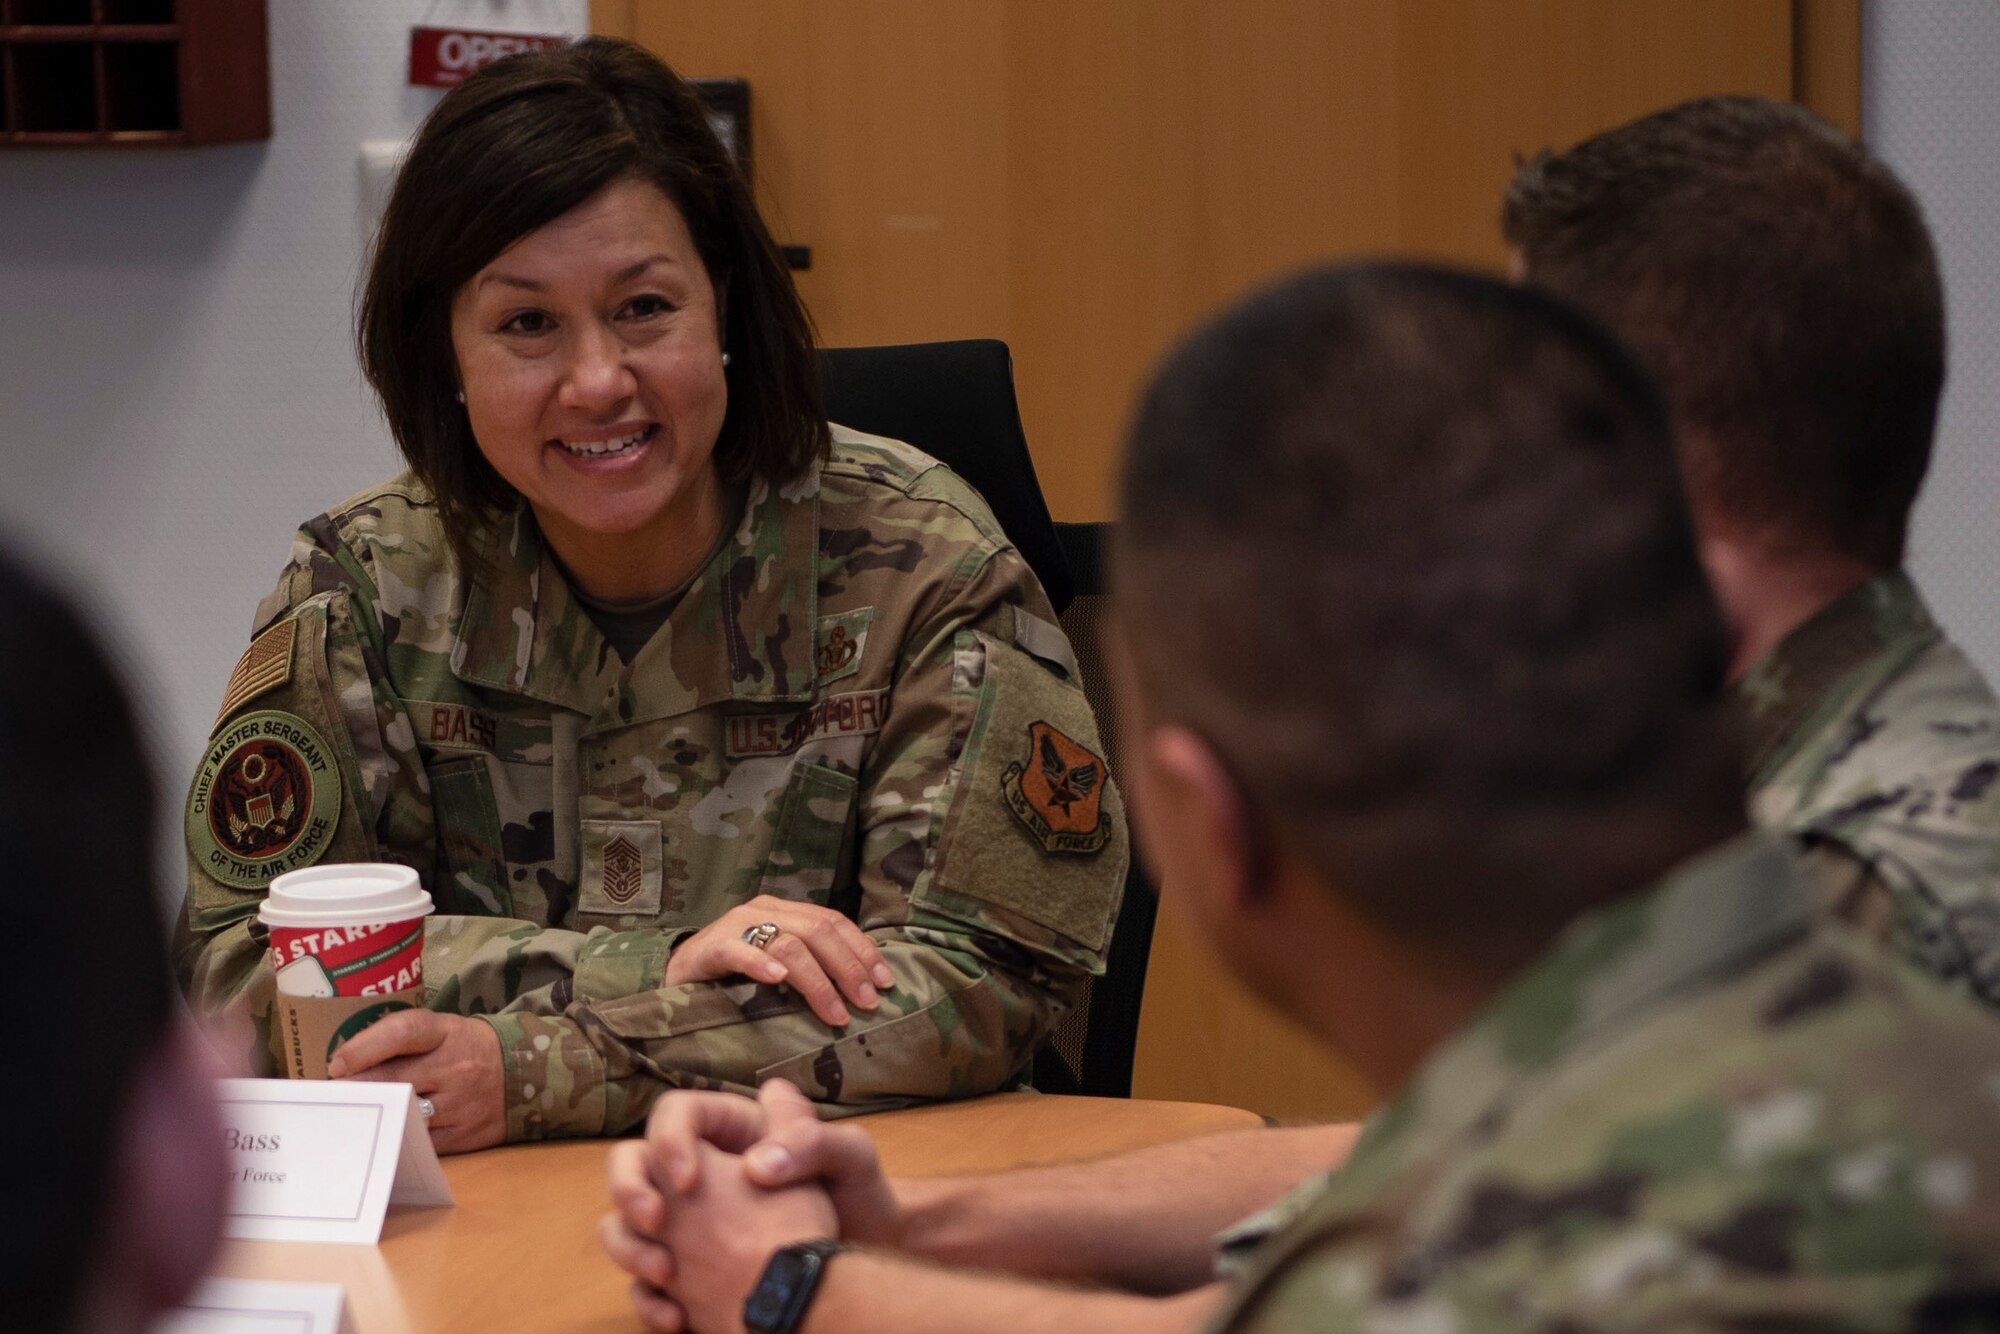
(1085, 178)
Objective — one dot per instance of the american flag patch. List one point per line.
(267, 663)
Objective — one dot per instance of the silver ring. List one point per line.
(426, 1106)
(761, 935)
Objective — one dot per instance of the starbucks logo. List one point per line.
(359, 1020)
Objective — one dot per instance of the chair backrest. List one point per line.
(1096, 1040)
(955, 401)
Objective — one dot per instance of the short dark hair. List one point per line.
(89, 976)
(1781, 284)
(1408, 548)
(517, 145)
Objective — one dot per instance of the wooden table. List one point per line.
(519, 1249)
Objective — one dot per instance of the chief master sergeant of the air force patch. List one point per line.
(266, 799)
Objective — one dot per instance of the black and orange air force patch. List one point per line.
(265, 801)
(1058, 793)
(267, 663)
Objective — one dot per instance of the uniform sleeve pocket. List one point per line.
(473, 873)
(813, 823)
(1035, 825)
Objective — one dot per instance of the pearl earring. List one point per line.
(461, 396)
(725, 358)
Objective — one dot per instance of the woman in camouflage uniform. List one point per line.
(641, 659)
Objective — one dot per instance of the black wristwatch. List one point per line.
(786, 1287)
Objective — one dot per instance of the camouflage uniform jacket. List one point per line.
(1878, 742)
(1706, 1107)
(863, 701)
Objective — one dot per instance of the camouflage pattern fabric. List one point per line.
(1706, 1107)
(1878, 744)
(839, 710)
(1875, 743)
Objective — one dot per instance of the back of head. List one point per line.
(1781, 284)
(1408, 548)
(86, 975)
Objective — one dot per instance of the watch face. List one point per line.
(766, 1304)
(771, 1303)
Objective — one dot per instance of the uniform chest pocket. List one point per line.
(471, 876)
(809, 845)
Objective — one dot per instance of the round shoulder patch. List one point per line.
(266, 800)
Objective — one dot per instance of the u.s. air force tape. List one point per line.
(266, 800)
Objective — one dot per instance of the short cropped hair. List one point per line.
(1408, 548)
(515, 146)
(88, 977)
(1781, 284)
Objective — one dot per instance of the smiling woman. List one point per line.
(694, 711)
(592, 367)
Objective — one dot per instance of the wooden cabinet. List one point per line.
(78, 72)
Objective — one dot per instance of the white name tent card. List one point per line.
(257, 1306)
(318, 1160)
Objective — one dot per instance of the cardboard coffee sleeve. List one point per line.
(311, 1028)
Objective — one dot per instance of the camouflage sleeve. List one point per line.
(989, 857)
(1844, 884)
(1916, 869)
(311, 758)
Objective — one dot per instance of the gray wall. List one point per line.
(177, 389)
(1931, 107)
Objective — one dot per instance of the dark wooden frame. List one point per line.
(146, 72)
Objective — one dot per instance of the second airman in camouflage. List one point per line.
(1782, 285)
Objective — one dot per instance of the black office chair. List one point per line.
(1097, 1041)
(955, 401)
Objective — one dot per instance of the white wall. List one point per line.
(1931, 108)
(177, 389)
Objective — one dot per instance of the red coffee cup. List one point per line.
(347, 942)
(353, 929)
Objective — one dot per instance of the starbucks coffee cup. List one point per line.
(347, 943)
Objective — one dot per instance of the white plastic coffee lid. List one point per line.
(345, 894)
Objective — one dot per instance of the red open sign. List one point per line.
(441, 57)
